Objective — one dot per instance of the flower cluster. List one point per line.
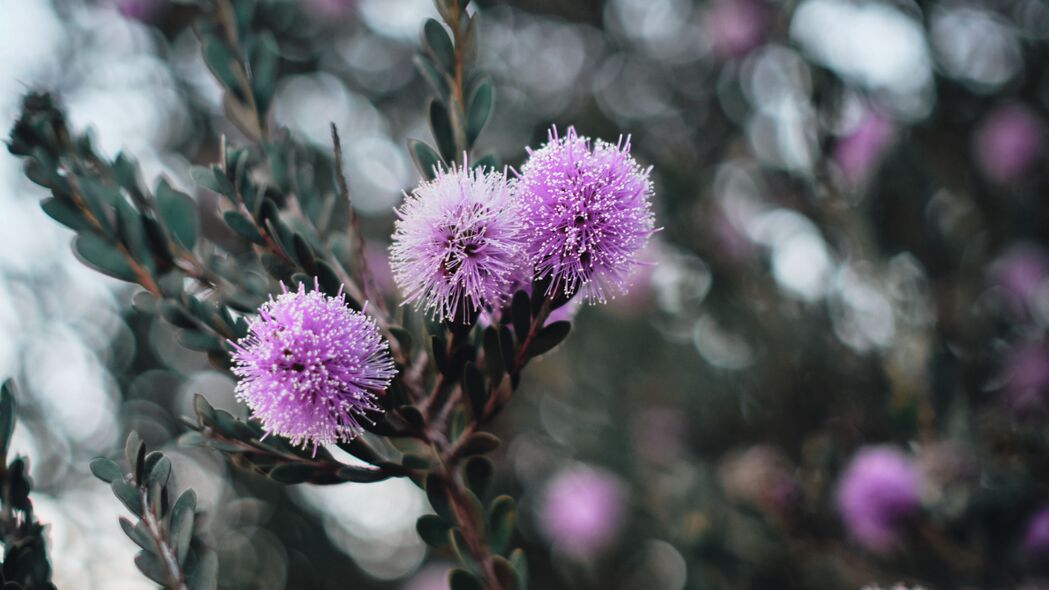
(458, 243)
(588, 213)
(310, 367)
(577, 215)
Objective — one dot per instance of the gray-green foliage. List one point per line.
(287, 211)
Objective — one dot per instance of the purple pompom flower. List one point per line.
(310, 367)
(588, 214)
(458, 243)
(582, 510)
(878, 491)
(1036, 537)
(1025, 376)
(1008, 142)
(859, 153)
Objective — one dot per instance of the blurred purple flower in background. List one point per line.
(457, 245)
(735, 27)
(588, 213)
(659, 435)
(1025, 376)
(878, 491)
(582, 510)
(310, 367)
(141, 10)
(761, 476)
(1036, 538)
(1021, 270)
(859, 153)
(329, 9)
(1007, 142)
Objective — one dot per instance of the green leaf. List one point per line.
(151, 566)
(437, 494)
(138, 534)
(441, 127)
(205, 176)
(433, 530)
(133, 235)
(520, 563)
(306, 257)
(432, 75)
(502, 515)
(96, 252)
(478, 443)
(106, 469)
(128, 495)
(504, 573)
(415, 462)
(478, 474)
(476, 392)
(222, 63)
(199, 341)
(404, 338)
(65, 214)
(358, 447)
(126, 172)
(521, 313)
(8, 413)
(440, 354)
(182, 514)
(488, 162)
(412, 416)
(361, 474)
(264, 70)
(243, 227)
(459, 579)
(291, 473)
(160, 472)
(427, 161)
(481, 104)
(204, 576)
(178, 212)
(204, 410)
(549, 337)
(493, 355)
(506, 344)
(439, 44)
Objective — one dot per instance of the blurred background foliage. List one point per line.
(853, 252)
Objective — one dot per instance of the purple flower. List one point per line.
(859, 152)
(310, 367)
(761, 476)
(1036, 539)
(1025, 373)
(878, 491)
(735, 27)
(1007, 142)
(582, 510)
(140, 10)
(1021, 270)
(587, 213)
(326, 10)
(458, 244)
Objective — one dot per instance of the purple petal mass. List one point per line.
(310, 367)
(457, 244)
(587, 212)
(878, 491)
(582, 510)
